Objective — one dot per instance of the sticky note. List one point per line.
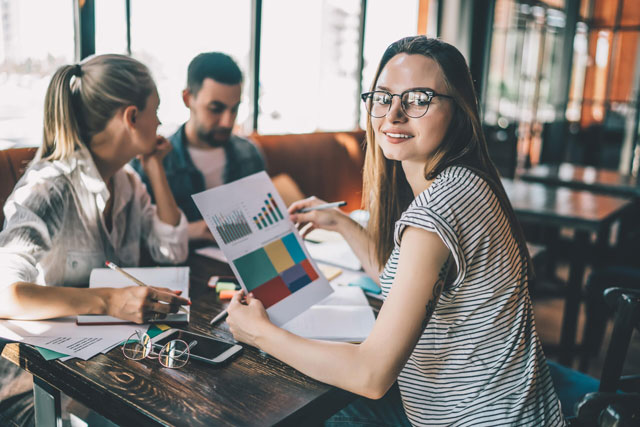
(227, 294)
(225, 286)
(367, 284)
(329, 271)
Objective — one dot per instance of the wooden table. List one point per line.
(588, 178)
(585, 213)
(253, 389)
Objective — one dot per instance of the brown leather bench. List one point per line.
(13, 162)
(323, 164)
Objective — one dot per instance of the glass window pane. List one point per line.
(166, 35)
(111, 26)
(385, 23)
(309, 65)
(32, 46)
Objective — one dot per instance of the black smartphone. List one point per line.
(206, 349)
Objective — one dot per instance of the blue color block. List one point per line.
(299, 284)
(292, 245)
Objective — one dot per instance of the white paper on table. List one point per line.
(65, 336)
(213, 252)
(248, 219)
(335, 252)
(351, 276)
(344, 315)
(175, 278)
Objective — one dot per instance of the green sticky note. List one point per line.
(225, 286)
(50, 354)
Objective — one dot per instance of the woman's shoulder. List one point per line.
(454, 185)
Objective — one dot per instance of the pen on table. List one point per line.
(134, 280)
(220, 316)
(323, 206)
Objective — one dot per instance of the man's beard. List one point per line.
(210, 137)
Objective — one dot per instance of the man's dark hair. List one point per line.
(214, 65)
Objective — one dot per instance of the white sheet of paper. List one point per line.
(175, 278)
(335, 252)
(344, 315)
(65, 336)
(251, 225)
(213, 252)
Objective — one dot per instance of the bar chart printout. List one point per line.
(232, 226)
(269, 214)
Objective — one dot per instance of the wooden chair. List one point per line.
(13, 163)
(614, 400)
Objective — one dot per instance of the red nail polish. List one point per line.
(189, 303)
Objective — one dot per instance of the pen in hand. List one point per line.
(134, 280)
(322, 207)
(220, 316)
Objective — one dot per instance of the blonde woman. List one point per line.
(78, 205)
(456, 330)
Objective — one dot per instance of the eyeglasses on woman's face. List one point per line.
(414, 102)
(174, 354)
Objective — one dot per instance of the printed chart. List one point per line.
(250, 224)
(231, 227)
(276, 270)
(267, 215)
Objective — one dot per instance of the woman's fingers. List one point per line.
(169, 297)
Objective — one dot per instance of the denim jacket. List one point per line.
(242, 156)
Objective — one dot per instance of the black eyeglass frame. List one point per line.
(430, 95)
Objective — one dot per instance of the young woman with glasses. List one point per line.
(456, 330)
(78, 205)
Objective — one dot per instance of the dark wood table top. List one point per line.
(252, 389)
(564, 207)
(584, 178)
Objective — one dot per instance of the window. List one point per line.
(383, 26)
(309, 67)
(28, 62)
(166, 35)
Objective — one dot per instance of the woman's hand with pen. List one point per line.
(328, 219)
(247, 318)
(140, 304)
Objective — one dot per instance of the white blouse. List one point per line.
(54, 232)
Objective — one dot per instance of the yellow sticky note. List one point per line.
(329, 271)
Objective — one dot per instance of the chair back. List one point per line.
(626, 304)
(13, 163)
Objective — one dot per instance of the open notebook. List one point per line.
(176, 278)
(345, 315)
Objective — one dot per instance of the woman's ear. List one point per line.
(130, 114)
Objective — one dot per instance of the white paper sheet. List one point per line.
(64, 336)
(344, 315)
(251, 225)
(213, 252)
(175, 278)
(335, 252)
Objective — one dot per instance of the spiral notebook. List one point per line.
(175, 278)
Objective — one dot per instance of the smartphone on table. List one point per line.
(205, 349)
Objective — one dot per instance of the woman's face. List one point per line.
(401, 137)
(147, 125)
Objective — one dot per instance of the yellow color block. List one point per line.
(279, 256)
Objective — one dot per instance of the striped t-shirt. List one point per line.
(479, 360)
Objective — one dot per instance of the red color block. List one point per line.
(271, 292)
(313, 275)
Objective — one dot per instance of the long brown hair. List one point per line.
(386, 190)
(82, 98)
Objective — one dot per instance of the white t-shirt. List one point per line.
(211, 162)
(479, 360)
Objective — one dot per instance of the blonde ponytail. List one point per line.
(82, 98)
(61, 132)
